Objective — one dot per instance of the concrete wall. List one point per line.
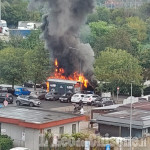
(14, 132)
(24, 137)
(29, 138)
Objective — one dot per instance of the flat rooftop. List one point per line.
(140, 118)
(36, 116)
(62, 81)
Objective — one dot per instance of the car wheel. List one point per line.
(92, 103)
(97, 105)
(18, 103)
(31, 104)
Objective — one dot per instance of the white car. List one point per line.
(76, 98)
(89, 98)
(19, 148)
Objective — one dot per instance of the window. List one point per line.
(61, 130)
(82, 95)
(48, 130)
(17, 90)
(73, 128)
(24, 89)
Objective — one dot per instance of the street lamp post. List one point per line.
(131, 120)
(0, 10)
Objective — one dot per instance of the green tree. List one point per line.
(117, 38)
(100, 14)
(37, 64)
(30, 42)
(121, 39)
(3, 44)
(103, 14)
(144, 57)
(144, 11)
(118, 16)
(98, 32)
(6, 142)
(116, 67)
(11, 64)
(139, 26)
(17, 11)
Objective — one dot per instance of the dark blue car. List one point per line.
(21, 91)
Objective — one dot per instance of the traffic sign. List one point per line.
(107, 147)
(5, 103)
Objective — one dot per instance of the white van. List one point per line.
(31, 26)
(3, 23)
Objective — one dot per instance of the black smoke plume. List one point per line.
(61, 26)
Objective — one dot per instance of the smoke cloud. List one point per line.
(61, 26)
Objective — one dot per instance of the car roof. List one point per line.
(79, 94)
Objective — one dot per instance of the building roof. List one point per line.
(143, 105)
(140, 118)
(110, 107)
(36, 118)
(62, 81)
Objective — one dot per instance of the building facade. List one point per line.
(27, 126)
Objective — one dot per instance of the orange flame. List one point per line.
(58, 74)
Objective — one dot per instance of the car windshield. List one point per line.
(76, 96)
(32, 97)
(94, 96)
(87, 96)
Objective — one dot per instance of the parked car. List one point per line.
(27, 100)
(21, 91)
(43, 85)
(76, 98)
(29, 84)
(52, 96)
(40, 94)
(19, 148)
(90, 98)
(103, 101)
(66, 97)
(6, 96)
(7, 89)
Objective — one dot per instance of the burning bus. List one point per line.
(58, 82)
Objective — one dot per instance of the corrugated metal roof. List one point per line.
(139, 118)
(144, 105)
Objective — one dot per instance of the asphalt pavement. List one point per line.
(46, 104)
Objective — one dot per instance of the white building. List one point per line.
(26, 125)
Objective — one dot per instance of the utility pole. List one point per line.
(131, 120)
(0, 10)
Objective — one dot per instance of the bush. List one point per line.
(6, 142)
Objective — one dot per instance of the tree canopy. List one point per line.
(114, 65)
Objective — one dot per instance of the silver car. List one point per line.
(28, 100)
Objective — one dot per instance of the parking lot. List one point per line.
(56, 105)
